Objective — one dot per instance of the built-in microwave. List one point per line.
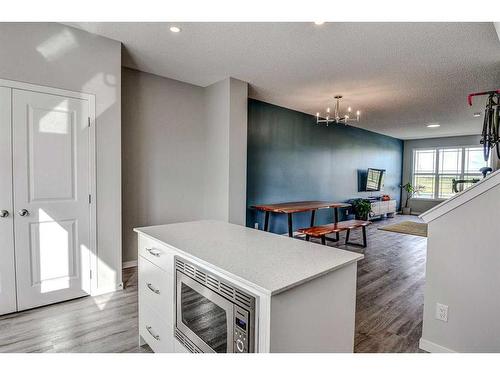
(212, 315)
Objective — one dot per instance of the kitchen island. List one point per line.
(297, 296)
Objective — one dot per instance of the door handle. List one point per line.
(155, 336)
(152, 288)
(154, 252)
(4, 213)
(23, 212)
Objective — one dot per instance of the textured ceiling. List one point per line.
(402, 76)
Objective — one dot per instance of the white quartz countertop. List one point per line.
(272, 262)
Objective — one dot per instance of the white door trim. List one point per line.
(44, 89)
(90, 98)
(8, 296)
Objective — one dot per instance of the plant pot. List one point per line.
(406, 210)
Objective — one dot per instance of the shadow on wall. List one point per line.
(291, 158)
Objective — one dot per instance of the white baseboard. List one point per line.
(431, 347)
(129, 264)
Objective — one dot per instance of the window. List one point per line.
(435, 169)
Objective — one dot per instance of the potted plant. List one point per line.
(410, 192)
(362, 208)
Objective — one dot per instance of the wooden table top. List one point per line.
(293, 207)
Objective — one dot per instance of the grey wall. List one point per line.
(290, 158)
(216, 125)
(58, 56)
(421, 205)
(163, 153)
(180, 144)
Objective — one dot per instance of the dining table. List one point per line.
(290, 208)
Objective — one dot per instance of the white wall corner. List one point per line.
(226, 106)
(238, 108)
(216, 183)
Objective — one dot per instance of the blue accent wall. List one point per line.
(290, 158)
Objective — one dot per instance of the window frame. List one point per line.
(436, 173)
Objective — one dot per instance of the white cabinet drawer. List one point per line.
(375, 209)
(156, 253)
(158, 335)
(156, 289)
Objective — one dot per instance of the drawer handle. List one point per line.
(155, 336)
(154, 252)
(152, 288)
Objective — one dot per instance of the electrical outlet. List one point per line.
(441, 312)
(256, 225)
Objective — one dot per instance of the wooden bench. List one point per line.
(322, 230)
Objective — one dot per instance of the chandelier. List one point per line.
(337, 118)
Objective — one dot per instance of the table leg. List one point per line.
(266, 221)
(336, 212)
(347, 236)
(313, 213)
(363, 244)
(290, 226)
(364, 236)
(323, 240)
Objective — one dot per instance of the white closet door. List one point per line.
(51, 197)
(7, 268)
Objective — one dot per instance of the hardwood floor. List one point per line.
(105, 323)
(390, 290)
(388, 312)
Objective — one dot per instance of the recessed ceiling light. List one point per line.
(175, 29)
(433, 126)
(319, 22)
(477, 114)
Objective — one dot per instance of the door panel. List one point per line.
(7, 268)
(51, 154)
(51, 182)
(49, 250)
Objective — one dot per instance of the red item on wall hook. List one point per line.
(469, 97)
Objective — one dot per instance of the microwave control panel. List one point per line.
(241, 330)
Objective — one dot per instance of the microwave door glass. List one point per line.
(205, 318)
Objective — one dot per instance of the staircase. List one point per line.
(463, 271)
